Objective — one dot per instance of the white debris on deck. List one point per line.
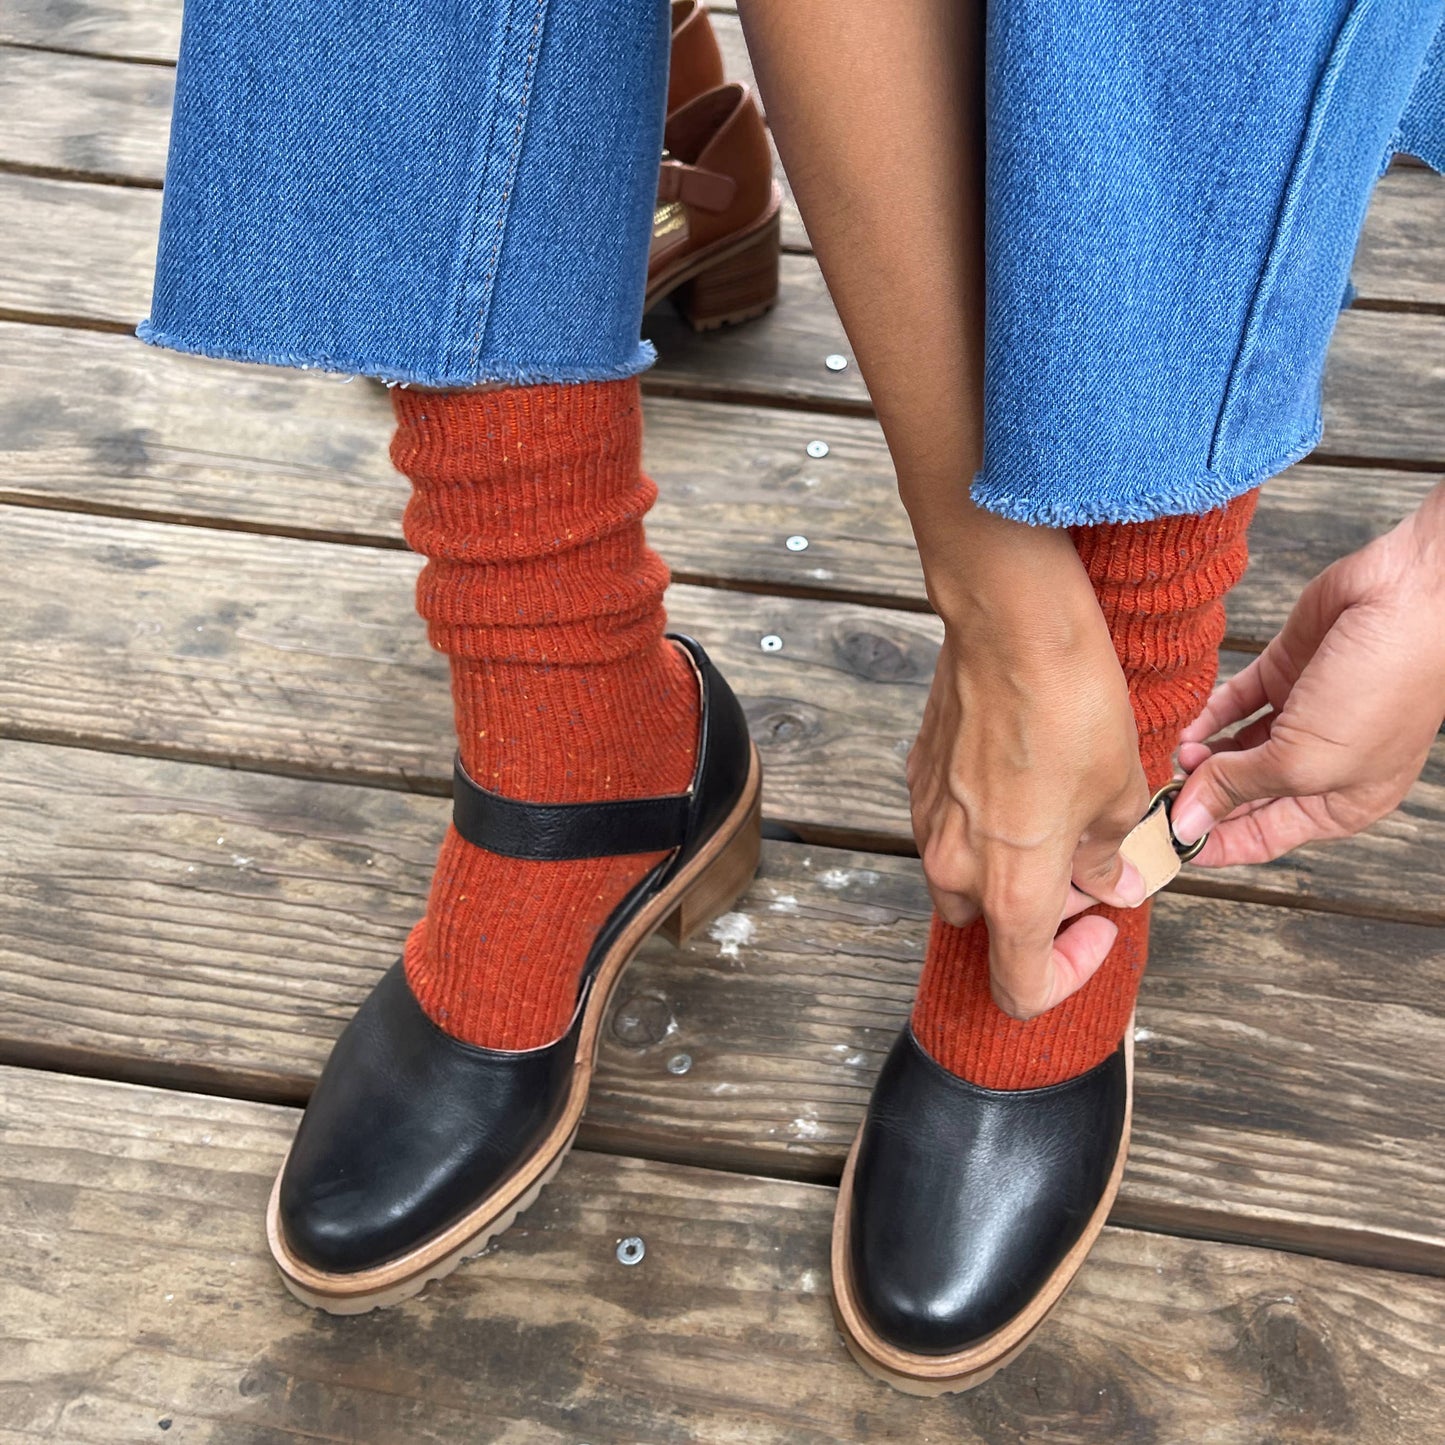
(732, 932)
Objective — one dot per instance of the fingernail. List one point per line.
(1131, 886)
(1190, 823)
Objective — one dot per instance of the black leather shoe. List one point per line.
(964, 1213)
(416, 1149)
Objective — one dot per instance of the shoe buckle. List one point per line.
(1164, 798)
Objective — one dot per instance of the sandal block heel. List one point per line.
(737, 287)
(721, 883)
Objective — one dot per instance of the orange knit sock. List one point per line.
(1160, 585)
(541, 589)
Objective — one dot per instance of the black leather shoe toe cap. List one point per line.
(408, 1130)
(966, 1200)
(334, 1229)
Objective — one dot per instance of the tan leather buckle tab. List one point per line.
(707, 190)
(1151, 845)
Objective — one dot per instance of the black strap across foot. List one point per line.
(672, 822)
(566, 830)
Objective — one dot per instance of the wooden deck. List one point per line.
(224, 753)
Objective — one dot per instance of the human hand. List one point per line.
(1025, 778)
(1354, 687)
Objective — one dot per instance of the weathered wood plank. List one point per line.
(172, 923)
(95, 422)
(229, 646)
(77, 116)
(150, 30)
(1384, 390)
(777, 359)
(1400, 254)
(85, 117)
(133, 1215)
(304, 657)
(75, 250)
(131, 29)
(1309, 517)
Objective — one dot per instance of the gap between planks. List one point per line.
(133, 1217)
(167, 924)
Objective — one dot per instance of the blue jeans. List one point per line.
(437, 191)
(1175, 193)
(455, 191)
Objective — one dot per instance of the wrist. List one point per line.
(1030, 593)
(1000, 586)
(1411, 559)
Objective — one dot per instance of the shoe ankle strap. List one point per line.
(693, 186)
(556, 831)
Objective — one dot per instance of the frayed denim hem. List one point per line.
(1204, 495)
(488, 372)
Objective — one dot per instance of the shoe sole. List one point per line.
(706, 887)
(964, 1370)
(732, 281)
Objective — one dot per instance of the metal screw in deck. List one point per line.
(631, 1249)
(817, 449)
(836, 362)
(679, 1063)
(771, 643)
(797, 544)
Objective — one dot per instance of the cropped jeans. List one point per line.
(436, 191)
(449, 192)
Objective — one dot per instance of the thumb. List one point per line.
(1223, 782)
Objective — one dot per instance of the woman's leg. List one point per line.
(462, 196)
(961, 1202)
(1160, 586)
(473, 203)
(541, 590)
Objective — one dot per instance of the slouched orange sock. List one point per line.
(1160, 585)
(541, 590)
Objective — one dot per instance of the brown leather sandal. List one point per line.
(716, 234)
(697, 63)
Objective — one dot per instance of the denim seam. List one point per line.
(1286, 217)
(492, 198)
(539, 13)
(464, 257)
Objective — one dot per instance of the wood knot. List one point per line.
(877, 657)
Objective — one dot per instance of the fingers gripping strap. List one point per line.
(1150, 848)
(566, 830)
(1150, 844)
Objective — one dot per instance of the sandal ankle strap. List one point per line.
(557, 831)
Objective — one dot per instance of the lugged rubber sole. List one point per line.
(704, 888)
